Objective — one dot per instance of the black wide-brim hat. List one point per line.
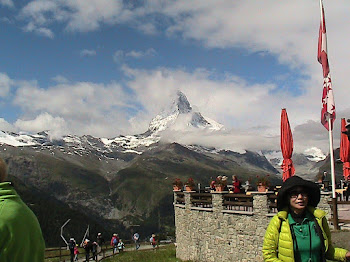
(312, 189)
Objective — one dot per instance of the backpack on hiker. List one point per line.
(115, 241)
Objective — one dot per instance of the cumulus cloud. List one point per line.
(86, 108)
(56, 126)
(7, 3)
(120, 55)
(87, 52)
(42, 31)
(6, 126)
(60, 79)
(5, 84)
(80, 16)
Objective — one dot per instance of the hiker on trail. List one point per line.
(87, 245)
(153, 241)
(100, 241)
(76, 252)
(114, 242)
(236, 184)
(120, 246)
(71, 246)
(299, 231)
(136, 238)
(94, 250)
(21, 236)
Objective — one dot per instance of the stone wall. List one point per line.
(215, 234)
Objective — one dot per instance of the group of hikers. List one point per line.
(90, 247)
(95, 247)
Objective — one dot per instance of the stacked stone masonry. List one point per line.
(216, 234)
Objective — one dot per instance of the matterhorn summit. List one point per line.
(181, 117)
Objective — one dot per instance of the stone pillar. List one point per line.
(188, 204)
(324, 205)
(260, 209)
(217, 201)
(260, 204)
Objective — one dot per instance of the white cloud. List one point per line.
(57, 126)
(8, 3)
(87, 52)
(42, 31)
(5, 85)
(6, 126)
(120, 55)
(139, 54)
(86, 108)
(60, 79)
(77, 15)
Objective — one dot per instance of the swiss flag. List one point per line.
(328, 105)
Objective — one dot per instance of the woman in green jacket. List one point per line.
(21, 239)
(300, 232)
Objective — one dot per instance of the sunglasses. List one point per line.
(296, 193)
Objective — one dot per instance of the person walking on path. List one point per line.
(94, 250)
(76, 252)
(299, 231)
(153, 241)
(71, 246)
(120, 246)
(21, 237)
(100, 241)
(136, 238)
(114, 242)
(88, 247)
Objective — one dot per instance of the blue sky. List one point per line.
(107, 67)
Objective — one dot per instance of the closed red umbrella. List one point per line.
(286, 146)
(345, 151)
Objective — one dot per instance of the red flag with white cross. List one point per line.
(328, 105)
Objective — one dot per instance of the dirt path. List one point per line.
(110, 252)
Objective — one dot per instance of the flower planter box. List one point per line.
(219, 188)
(176, 188)
(189, 188)
(261, 188)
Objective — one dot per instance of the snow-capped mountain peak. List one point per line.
(180, 116)
(314, 154)
(181, 104)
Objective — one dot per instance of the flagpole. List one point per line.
(332, 157)
(328, 110)
(334, 196)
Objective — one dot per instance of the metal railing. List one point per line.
(180, 198)
(63, 254)
(272, 202)
(203, 200)
(238, 202)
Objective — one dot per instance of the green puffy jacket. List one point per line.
(278, 242)
(21, 239)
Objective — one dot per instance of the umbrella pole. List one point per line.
(334, 196)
